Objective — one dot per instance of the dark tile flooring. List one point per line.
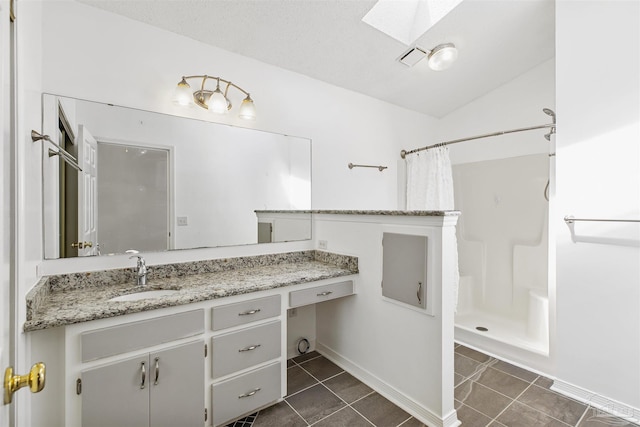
(488, 392)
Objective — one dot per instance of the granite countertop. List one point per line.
(81, 297)
(366, 212)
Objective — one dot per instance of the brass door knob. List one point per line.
(82, 245)
(34, 379)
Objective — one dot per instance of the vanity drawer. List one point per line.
(243, 349)
(320, 293)
(226, 316)
(245, 393)
(136, 335)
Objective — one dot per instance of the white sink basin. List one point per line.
(144, 295)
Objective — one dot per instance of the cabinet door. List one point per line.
(176, 382)
(116, 394)
(404, 268)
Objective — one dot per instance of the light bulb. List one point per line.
(442, 56)
(182, 95)
(247, 109)
(218, 103)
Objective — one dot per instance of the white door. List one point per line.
(87, 192)
(5, 200)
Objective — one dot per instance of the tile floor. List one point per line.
(488, 392)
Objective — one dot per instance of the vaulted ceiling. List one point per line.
(497, 40)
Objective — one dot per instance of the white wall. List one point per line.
(129, 63)
(124, 62)
(598, 176)
(392, 345)
(516, 104)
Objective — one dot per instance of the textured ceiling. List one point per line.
(326, 39)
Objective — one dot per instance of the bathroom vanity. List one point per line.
(214, 348)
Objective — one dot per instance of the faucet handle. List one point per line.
(141, 262)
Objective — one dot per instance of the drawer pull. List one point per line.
(250, 312)
(419, 291)
(251, 347)
(251, 393)
(143, 375)
(157, 360)
(324, 294)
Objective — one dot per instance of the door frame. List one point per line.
(171, 218)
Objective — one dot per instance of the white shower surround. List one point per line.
(503, 246)
(516, 104)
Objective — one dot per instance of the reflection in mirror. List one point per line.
(155, 182)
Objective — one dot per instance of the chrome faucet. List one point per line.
(141, 270)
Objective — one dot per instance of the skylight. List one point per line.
(407, 20)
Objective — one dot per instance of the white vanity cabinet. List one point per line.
(136, 371)
(162, 388)
(247, 362)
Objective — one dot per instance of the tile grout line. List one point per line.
(510, 404)
(583, 415)
(297, 413)
(542, 412)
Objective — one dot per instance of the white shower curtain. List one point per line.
(430, 188)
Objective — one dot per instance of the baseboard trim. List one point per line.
(597, 401)
(412, 407)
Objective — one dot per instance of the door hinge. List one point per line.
(78, 386)
(205, 352)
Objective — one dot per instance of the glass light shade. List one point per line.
(183, 95)
(247, 109)
(217, 103)
(442, 56)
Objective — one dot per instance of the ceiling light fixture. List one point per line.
(442, 56)
(213, 100)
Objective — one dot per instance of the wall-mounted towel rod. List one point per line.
(570, 220)
(64, 155)
(380, 168)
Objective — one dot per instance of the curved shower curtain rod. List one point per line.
(551, 126)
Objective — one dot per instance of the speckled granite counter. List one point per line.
(361, 212)
(81, 297)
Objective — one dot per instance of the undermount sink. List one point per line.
(144, 295)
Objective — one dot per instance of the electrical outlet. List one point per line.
(293, 312)
(322, 244)
(182, 221)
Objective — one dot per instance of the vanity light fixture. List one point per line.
(216, 100)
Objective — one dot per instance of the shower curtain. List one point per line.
(430, 188)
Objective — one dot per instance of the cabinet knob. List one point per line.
(34, 379)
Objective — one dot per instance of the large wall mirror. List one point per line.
(156, 182)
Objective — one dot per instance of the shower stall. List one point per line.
(503, 254)
(503, 249)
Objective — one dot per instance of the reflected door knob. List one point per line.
(34, 379)
(82, 245)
